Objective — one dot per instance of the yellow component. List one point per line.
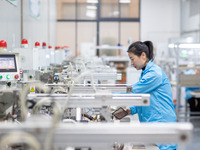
(32, 89)
(95, 118)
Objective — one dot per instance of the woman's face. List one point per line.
(138, 62)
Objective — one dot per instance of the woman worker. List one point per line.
(194, 102)
(155, 82)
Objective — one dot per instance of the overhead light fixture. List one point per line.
(189, 39)
(92, 7)
(171, 46)
(91, 13)
(115, 13)
(125, 1)
(197, 45)
(92, 1)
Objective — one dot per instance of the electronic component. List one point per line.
(120, 113)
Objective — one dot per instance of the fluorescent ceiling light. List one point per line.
(125, 1)
(92, 7)
(184, 51)
(190, 53)
(189, 46)
(92, 1)
(91, 13)
(115, 13)
(189, 40)
(171, 46)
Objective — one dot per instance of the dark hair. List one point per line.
(138, 47)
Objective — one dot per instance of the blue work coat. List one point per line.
(155, 82)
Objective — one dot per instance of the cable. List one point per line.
(59, 76)
(76, 80)
(15, 138)
(83, 66)
(70, 64)
(56, 110)
(56, 118)
(71, 69)
(39, 104)
(58, 89)
(24, 94)
(57, 115)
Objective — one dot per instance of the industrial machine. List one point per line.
(9, 78)
(73, 109)
(9, 67)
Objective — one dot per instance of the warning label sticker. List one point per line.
(32, 90)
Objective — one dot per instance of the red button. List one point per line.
(37, 44)
(16, 76)
(3, 44)
(24, 41)
(44, 44)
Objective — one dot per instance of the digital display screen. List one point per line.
(7, 63)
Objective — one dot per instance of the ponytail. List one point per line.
(149, 44)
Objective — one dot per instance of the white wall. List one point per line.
(160, 20)
(190, 26)
(52, 22)
(10, 26)
(33, 29)
(39, 29)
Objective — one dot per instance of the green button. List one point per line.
(1, 77)
(8, 76)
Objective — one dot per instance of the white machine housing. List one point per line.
(59, 56)
(28, 58)
(52, 55)
(47, 57)
(42, 57)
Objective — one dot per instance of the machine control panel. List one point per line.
(9, 70)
